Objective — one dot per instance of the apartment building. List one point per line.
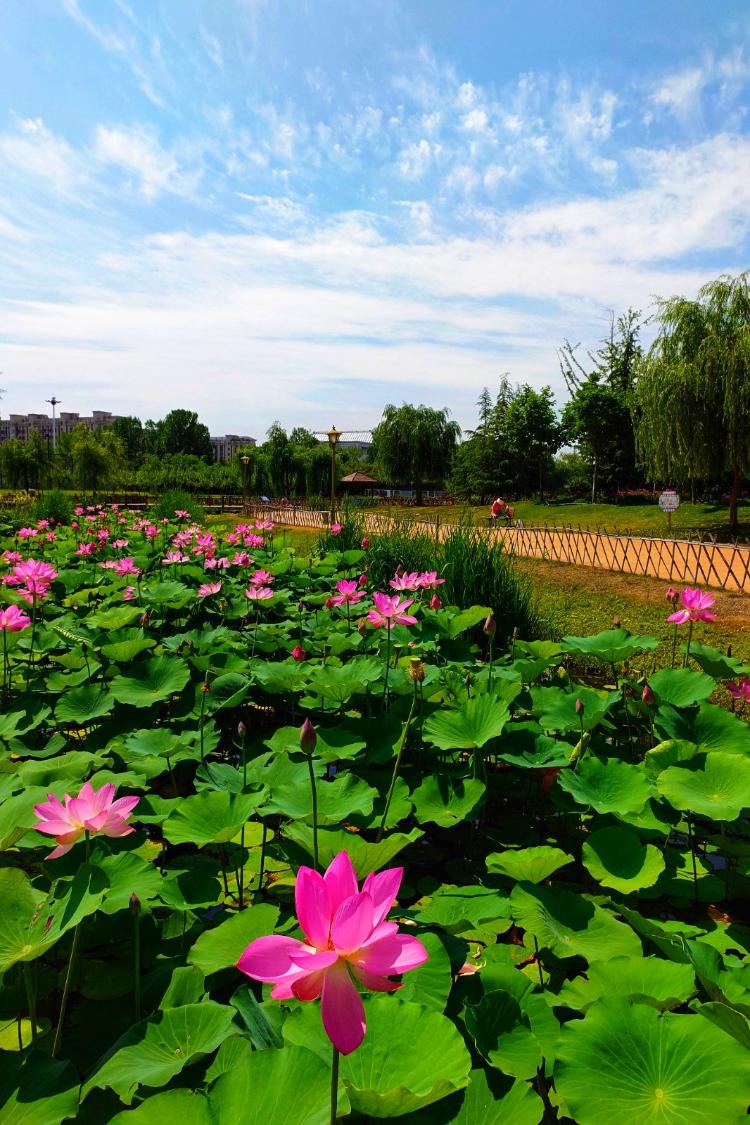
(225, 447)
(21, 425)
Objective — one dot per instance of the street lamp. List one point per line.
(333, 436)
(245, 459)
(54, 402)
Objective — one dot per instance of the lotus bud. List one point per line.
(145, 618)
(400, 571)
(205, 689)
(362, 626)
(435, 602)
(362, 580)
(616, 623)
(298, 653)
(490, 625)
(241, 729)
(416, 670)
(515, 633)
(647, 696)
(308, 739)
(134, 904)
(579, 706)
(365, 543)
(672, 595)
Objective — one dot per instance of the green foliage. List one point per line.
(177, 501)
(54, 506)
(415, 445)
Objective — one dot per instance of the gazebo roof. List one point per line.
(358, 478)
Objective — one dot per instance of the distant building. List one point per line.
(21, 425)
(225, 447)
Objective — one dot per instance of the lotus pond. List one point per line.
(281, 848)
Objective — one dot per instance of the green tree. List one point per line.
(130, 432)
(415, 445)
(97, 457)
(179, 432)
(593, 419)
(14, 463)
(532, 431)
(692, 395)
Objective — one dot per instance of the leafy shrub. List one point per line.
(54, 505)
(175, 501)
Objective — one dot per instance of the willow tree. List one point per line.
(692, 397)
(415, 445)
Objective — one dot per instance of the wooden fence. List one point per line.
(724, 566)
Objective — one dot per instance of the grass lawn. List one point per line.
(634, 518)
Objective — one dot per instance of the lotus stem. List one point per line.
(396, 767)
(137, 963)
(262, 856)
(674, 646)
(687, 647)
(66, 989)
(314, 792)
(30, 998)
(539, 963)
(387, 663)
(334, 1086)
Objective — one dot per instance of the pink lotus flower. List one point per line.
(174, 557)
(365, 543)
(206, 589)
(122, 567)
(347, 939)
(429, 580)
(405, 581)
(336, 528)
(12, 620)
(91, 811)
(298, 653)
(435, 602)
(241, 558)
(78, 511)
(36, 577)
(119, 543)
(151, 531)
(264, 525)
(671, 594)
(181, 514)
(696, 606)
(232, 538)
(348, 594)
(390, 611)
(261, 578)
(253, 541)
(12, 557)
(739, 689)
(85, 549)
(259, 593)
(128, 594)
(26, 532)
(42, 524)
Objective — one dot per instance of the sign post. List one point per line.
(669, 501)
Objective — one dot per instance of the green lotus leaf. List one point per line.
(291, 1085)
(646, 980)
(731, 1021)
(17, 816)
(490, 1099)
(33, 923)
(172, 594)
(429, 984)
(670, 753)
(194, 884)
(682, 687)
(27, 717)
(365, 856)
(339, 684)
(616, 858)
(227, 691)
(470, 727)
(127, 874)
(458, 909)
(607, 785)
(445, 800)
(124, 650)
(458, 623)
(337, 799)
(115, 618)
(151, 682)
(220, 948)
(155, 1050)
(279, 678)
(556, 707)
(625, 1063)
(36, 1090)
(189, 1107)
(529, 865)
(210, 818)
(611, 646)
(569, 925)
(714, 662)
(524, 746)
(335, 744)
(82, 704)
(156, 742)
(715, 785)
(503, 1035)
(410, 1058)
(710, 728)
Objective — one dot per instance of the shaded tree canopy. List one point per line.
(415, 445)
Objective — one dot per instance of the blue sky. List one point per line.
(304, 209)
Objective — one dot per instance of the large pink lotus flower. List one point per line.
(36, 577)
(336, 528)
(348, 593)
(347, 940)
(12, 620)
(85, 549)
(261, 578)
(696, 606)
(91, 811)
(206, 589)
(122, 567)
(259, 593)
(405, 581)
(174, 557)
(26, 532)
(429, 580)
(390, 611)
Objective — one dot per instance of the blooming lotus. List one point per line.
(740, 689)
(174, 557)
(695, 607)
(122, 567)
(91, 811)
(259, 593)
(26, 532)
(348, 593)
(261, 578)
(208, 588)
(336, 528)
(429, 580)
(181, 514)
(85, 549)
(12, 619)
(390, 611)
(128, 594)
(347, 941)
(405, 581)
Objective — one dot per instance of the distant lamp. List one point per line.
(246, 461)
(333, 436)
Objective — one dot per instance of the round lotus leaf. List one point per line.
(503, 1035)
(556, 707)
(617, 858)
(625, 1063)
(611, 646)
(682, 687)
(151, 682)
(608, 786)
(445, 800)
(569, 925)
(648, 980)
(710, 728)
(715, 785)
(472, 726)
(530, 865)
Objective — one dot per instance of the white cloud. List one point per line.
(137, 152)
(415, 159)
(35, 152)
(125, 48)
(213, 47)
(681, 92)
(475, 121)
